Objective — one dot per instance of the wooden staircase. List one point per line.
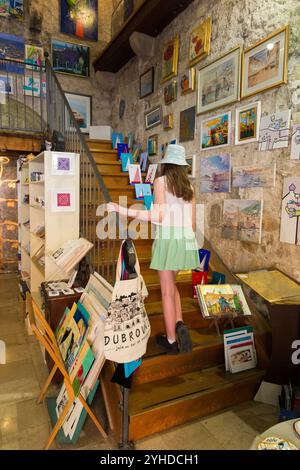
(171, 390)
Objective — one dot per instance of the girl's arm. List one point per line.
(154, 215)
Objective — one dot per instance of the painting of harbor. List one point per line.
(242, 220)
(215, 131)
(262, 176)
(215, 174)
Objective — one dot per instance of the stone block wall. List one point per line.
(234, 22)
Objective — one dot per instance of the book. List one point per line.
(70, 254)
(135, 176)
(222, 300)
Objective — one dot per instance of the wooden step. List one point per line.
(163, 404)
(208, 351)
(99, 144)
(120, 180)
(105, 156)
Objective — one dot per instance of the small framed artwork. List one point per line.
(153, 118)
(187, 124)
(32, 86)
(200, 42)
(151, 173)
(191, 169)
(6, 85)
(79, 19)
(219, 82)
(168, 122)
(34, 56)
(152, 144)
(135, 176)
(81, 106)
(147, 83)
(247, 122)
(265, 65)
(63, 164)
(12, 47)
(170, 92)
(215, 174)
(187, 81)
(63, 200)
(70, 58)
(215, 131)
(170, 59)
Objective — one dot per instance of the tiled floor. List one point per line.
(25, 425)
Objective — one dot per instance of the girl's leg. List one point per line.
(167, 285)
(178, 308)
(185, 342)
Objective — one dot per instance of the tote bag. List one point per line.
(127, 327)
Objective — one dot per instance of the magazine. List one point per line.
(71, 253)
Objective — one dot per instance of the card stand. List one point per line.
(215, 322)
(45, 335)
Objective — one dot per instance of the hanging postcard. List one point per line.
(63, 164)
(151, 173)
(63, 200)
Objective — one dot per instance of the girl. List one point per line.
(175, 246)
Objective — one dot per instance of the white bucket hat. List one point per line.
(175, 155)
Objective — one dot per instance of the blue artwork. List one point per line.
(117, 138)
(143, 161)
(12, 9)
(130, 367)
(122, 148)
(204, 256)
(70, 58)
(126, 159)
(218, 278)
(12, 47)
(79, 18)
(6, 84)
(215, 173)
(142, 190)
(148, 201)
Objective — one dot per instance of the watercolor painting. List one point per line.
(215, 174)
(247, 122)
(153, 118)
(79, 18)
(242, 220)
(200, 42)
(12, 47)
(295, 145)
(274, 130)
(187, 124)
(215, 131)
(290, 211)
(254, 176)
(170, 59)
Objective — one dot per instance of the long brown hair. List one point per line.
(178, 182)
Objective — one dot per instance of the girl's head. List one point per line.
(178, 182)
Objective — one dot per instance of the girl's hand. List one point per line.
(112, 207)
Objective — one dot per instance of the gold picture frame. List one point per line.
(170, 59)
(187, 81)
(200, 39)
(261, 61)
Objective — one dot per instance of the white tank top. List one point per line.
(177, 212)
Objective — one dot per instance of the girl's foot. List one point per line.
(170, 348)
(185, 342)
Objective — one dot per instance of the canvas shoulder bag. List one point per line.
(127, 326)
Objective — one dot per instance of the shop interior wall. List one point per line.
(234, 22)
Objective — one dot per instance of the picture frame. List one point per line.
(81, 106)
(75, 21)
(147, 83)
(218, 83)
(12, 10)
(168, 122)
(6, 84)
(63, 200)
(199, 44)
(70, 58)
(151, 173)
(191, 169)
(215, 173)
(34, 86)
(152, 145)
(215, 131)
(170, 92)
(242, 220)
(187, 124)
(170, 59)
(247, 123)
(14, 48)
(134, 173)
(187, 81)
(34, 56)
(63, 165)
(265, 64)
(153, 118)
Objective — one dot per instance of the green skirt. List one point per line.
(174, 249)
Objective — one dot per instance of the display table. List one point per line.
(282, 430)
(282, 296)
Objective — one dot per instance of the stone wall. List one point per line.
(234, 22)
(101, 107)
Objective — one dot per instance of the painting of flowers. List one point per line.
(200, 42)
(79, 18)
(170, 59)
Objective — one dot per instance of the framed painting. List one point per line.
(199, 46)
(70, 58)
(152, 145)
(265, 65)
(254, 176)
(34, 86)
(187, 124)
(168, 122)
(191, 169)
(187, 81)
(219, 82)
(170, 92)
(153, 118)
(81, 106)
(215, 131)
(63, 200)
(34, 56)
(6, 85)
(247, 122)
(170, 59)
(79, 18)
(12, 9)
(12, 47)
(215, 174)
(242, 220)
(63, 164)
(147, 83)
(274, 132)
